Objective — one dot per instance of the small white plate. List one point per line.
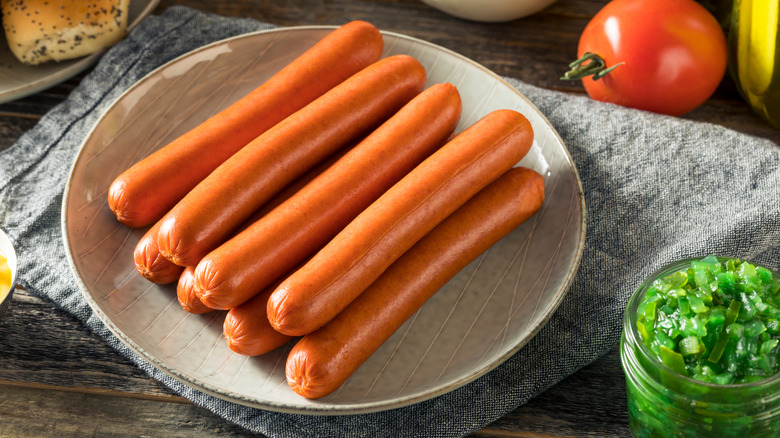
(18, 80)
(477, 321)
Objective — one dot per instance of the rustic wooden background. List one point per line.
(58, 379)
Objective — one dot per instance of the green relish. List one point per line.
(716, 321)
(699, 349)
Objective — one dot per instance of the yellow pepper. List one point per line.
(753, 55)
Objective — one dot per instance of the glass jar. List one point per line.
(664, 403)
(753, 55)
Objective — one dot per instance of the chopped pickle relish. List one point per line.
(716, 321)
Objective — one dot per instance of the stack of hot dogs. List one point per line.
(326, 206)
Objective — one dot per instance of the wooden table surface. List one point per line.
(58, 379)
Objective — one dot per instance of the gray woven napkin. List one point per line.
(657, 188)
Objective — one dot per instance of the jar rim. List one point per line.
(632, 334)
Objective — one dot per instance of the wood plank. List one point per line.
(59, 379)
(12, 127)
(36, 411)
(72, 366)
(63, 352)
(535, 49)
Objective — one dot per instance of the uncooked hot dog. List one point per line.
(287, 235)
(146, 191)
(185, 293)
(157, 269)
(322, 361)
(186, 286)
(349, 263)
(150, 263)
(214, 209)
(247, 330)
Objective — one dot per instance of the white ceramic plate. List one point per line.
(482, 317)
(18, 80)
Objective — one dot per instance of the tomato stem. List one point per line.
(588, 64)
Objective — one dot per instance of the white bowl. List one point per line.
(7, 250)
(490, 11)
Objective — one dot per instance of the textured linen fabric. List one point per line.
(657, 189)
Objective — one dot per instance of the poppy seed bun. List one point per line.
(43, 30)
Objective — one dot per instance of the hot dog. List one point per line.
(322, 361)
(150, 263)
(185, 292)
(247, 330)
(352, 260)
(264, 251)
(214, 209)
(186, 286)
(157, 269)
(146, 191)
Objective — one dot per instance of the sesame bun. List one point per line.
(54, 30)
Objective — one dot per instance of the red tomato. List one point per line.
(672, 54)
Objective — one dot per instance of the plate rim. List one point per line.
(324, 409)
